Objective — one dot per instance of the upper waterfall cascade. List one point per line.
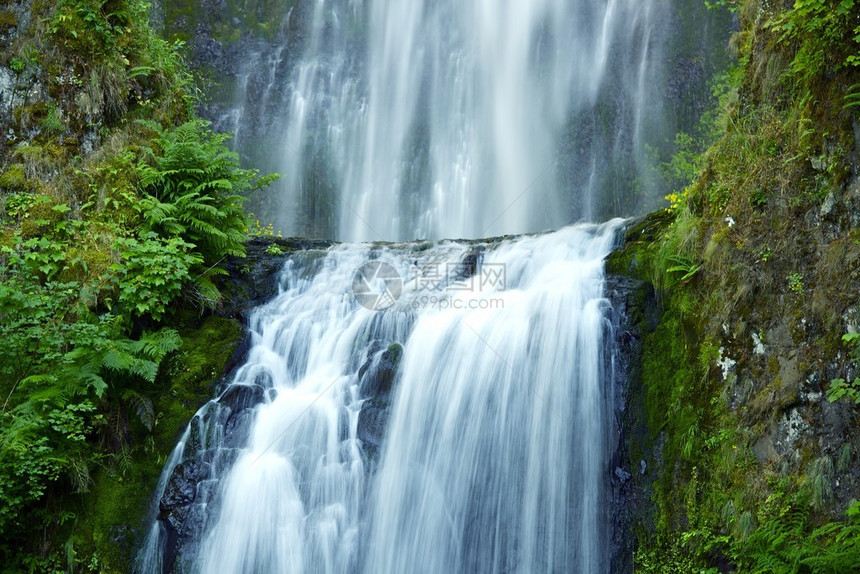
(395, 120)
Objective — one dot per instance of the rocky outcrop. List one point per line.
(634, 314)
(253, 279)
(376, 379)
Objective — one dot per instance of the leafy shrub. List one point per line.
(152, 272)
(825, 31)
(840, 388)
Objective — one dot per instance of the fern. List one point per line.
(192, 189)
(685, 266)
(142, 406)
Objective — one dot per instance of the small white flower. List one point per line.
(730, 221)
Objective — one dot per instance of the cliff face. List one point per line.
(754, 445)
(742, 451)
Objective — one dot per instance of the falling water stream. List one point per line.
(494, 454)
(394, 119)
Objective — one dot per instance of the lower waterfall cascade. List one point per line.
(462, 424)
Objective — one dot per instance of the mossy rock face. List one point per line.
(8, 20)
(191, 373)
(113, 516)
(634, 258)
(15, 178)
(114, 513)
(736, 375)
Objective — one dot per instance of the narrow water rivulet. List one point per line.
(463, 428)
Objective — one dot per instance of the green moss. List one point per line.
(115, 511)
(636, 256)
(191, 372)
(15, 178)
(40, 217)
(8, 20)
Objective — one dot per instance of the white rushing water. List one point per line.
(495, 452)
(495, 459)
(449, 118)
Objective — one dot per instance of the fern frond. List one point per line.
(142, 406)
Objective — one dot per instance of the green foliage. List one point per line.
(54, 371)
(685, 164)
(731, 5)
(100, 253)
(795, 282)
(683, 266)
(783, 128)
(17, 65)
(96, 27)
(71, 372)
(819, 480)
(151, 272)
(193, 190)
(852, 98)
(786, 541)
(53, 123)
(840, 388)
(274, 249)
(758, 197)
(257, 229)
(826, 30)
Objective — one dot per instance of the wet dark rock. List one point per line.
(343, 424)
(634, 313)
(264, 380)
(240, 397)
(376, 376)
(182, 487)
(622, 474)
(236, 430)
(471, 263)
(253, 280)
(194, 442)
(372, 422)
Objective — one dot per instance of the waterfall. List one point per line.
(395, 119)
(496, 457)
(436, 406)
(447, 415)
